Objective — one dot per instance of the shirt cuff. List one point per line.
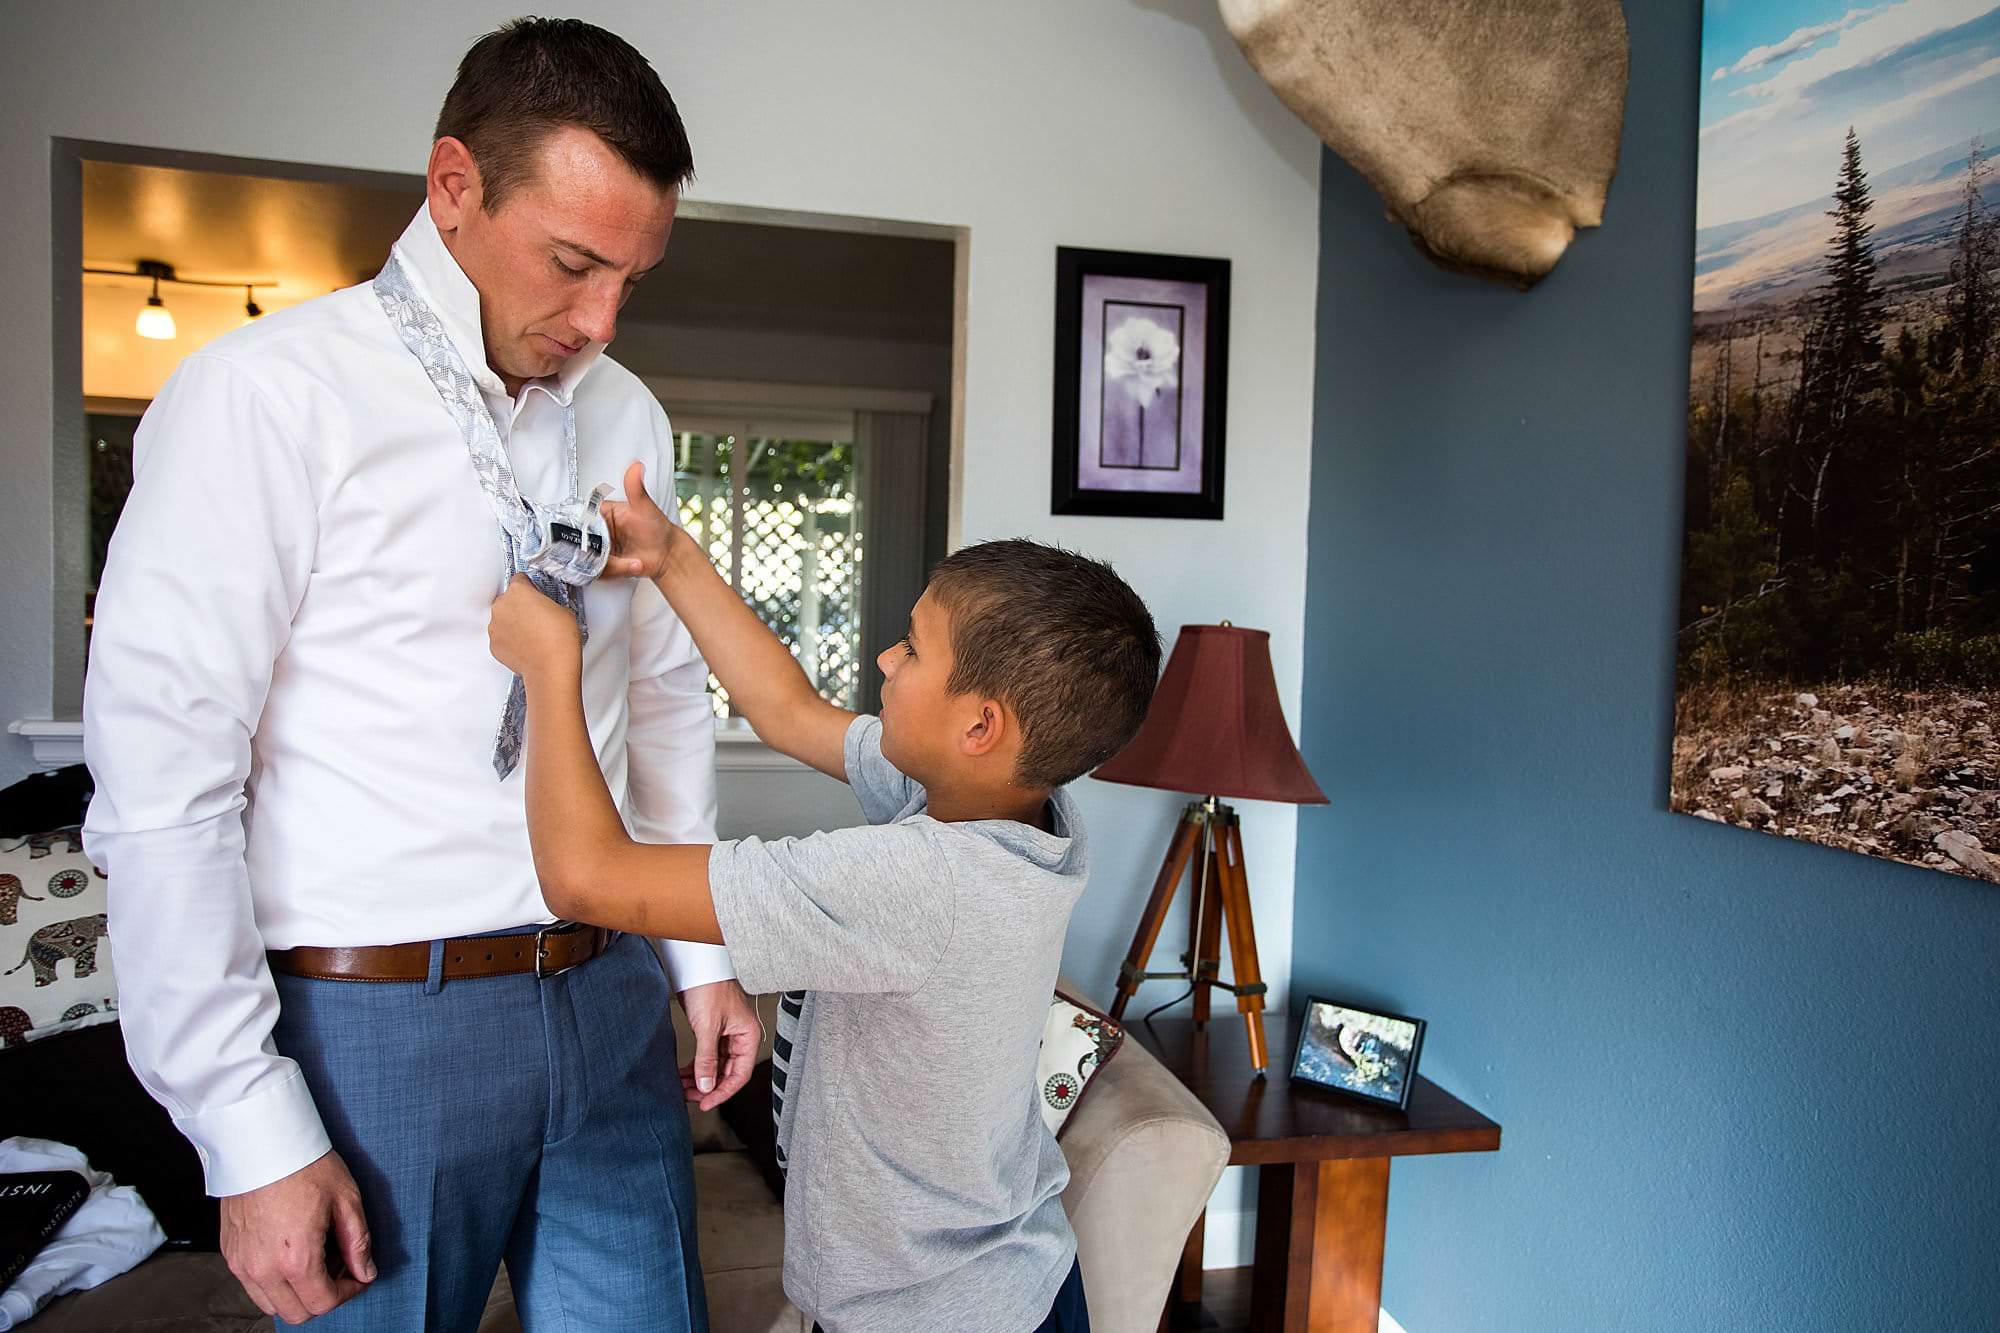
(265, 1137)
(689, 964)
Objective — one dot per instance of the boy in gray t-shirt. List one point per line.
(921, 951)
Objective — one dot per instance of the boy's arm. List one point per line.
(860, 909)
(764, 681)
(589, 867)
(863, 910)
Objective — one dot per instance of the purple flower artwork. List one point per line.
(1147, 435)
(1143, 398)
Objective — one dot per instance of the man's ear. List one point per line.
(990, 727)
(451, 183)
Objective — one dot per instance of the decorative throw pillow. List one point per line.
(1077, 1042)
(55, 961)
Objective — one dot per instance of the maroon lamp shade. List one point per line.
(1216, 727)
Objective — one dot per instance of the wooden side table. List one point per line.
(1323, 1172)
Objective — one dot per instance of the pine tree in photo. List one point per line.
(1835, 445)
(1851, 302)
(1969, 312)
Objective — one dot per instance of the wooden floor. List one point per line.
(1225, 1303)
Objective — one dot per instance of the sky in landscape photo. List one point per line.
(1782, 82)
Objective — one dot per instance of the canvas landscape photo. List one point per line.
(1839, 622)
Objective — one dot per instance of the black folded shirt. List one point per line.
(33, 1207)
(44, 801)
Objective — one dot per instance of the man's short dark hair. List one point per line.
(1061, 640)
(533, 76)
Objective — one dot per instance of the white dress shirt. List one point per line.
(291, 706)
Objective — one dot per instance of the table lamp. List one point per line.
(1215, 727)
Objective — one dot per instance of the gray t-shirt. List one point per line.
(922, 1188)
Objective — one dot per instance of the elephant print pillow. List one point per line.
(1076, 1043)
(55, 960)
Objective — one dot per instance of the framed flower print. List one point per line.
(1142, 355)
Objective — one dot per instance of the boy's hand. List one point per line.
(530, 633)
(642, 536)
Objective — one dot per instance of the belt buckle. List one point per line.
(542, 947)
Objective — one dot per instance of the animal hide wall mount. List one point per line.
(1489, 127)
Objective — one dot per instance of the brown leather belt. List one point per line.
(546, 953)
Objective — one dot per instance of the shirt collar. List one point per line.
(431, 266)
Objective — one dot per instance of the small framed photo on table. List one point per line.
(1359, 1052)
(1142, 355)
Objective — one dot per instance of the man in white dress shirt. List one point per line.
(329, 934)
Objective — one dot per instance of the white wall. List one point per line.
(1123, 124)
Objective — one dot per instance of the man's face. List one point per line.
(559, 259)
(920, 718)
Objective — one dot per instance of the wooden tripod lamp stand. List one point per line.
(1215, 727)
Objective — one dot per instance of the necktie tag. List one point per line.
(570, 540)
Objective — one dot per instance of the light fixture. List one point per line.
(155, 320)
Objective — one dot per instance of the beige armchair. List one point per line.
(1144, 1156)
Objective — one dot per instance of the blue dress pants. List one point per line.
(535, 1122)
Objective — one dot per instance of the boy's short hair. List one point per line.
(1059, 638)
(535, 75)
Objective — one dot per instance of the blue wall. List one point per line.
(1745, 1083)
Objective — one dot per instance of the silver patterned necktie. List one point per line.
(423, 333)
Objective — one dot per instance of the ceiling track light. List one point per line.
(155, 320)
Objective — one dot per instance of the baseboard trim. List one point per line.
(1230, 1238)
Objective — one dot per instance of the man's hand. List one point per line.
(276, 1240)
(724, 1020)
(530, 634)
(642, 537)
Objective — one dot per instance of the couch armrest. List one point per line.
(1144, 1155)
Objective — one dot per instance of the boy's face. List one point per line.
(920, 718)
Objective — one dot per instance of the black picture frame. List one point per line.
(1081, 426)
(1307, 1046)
